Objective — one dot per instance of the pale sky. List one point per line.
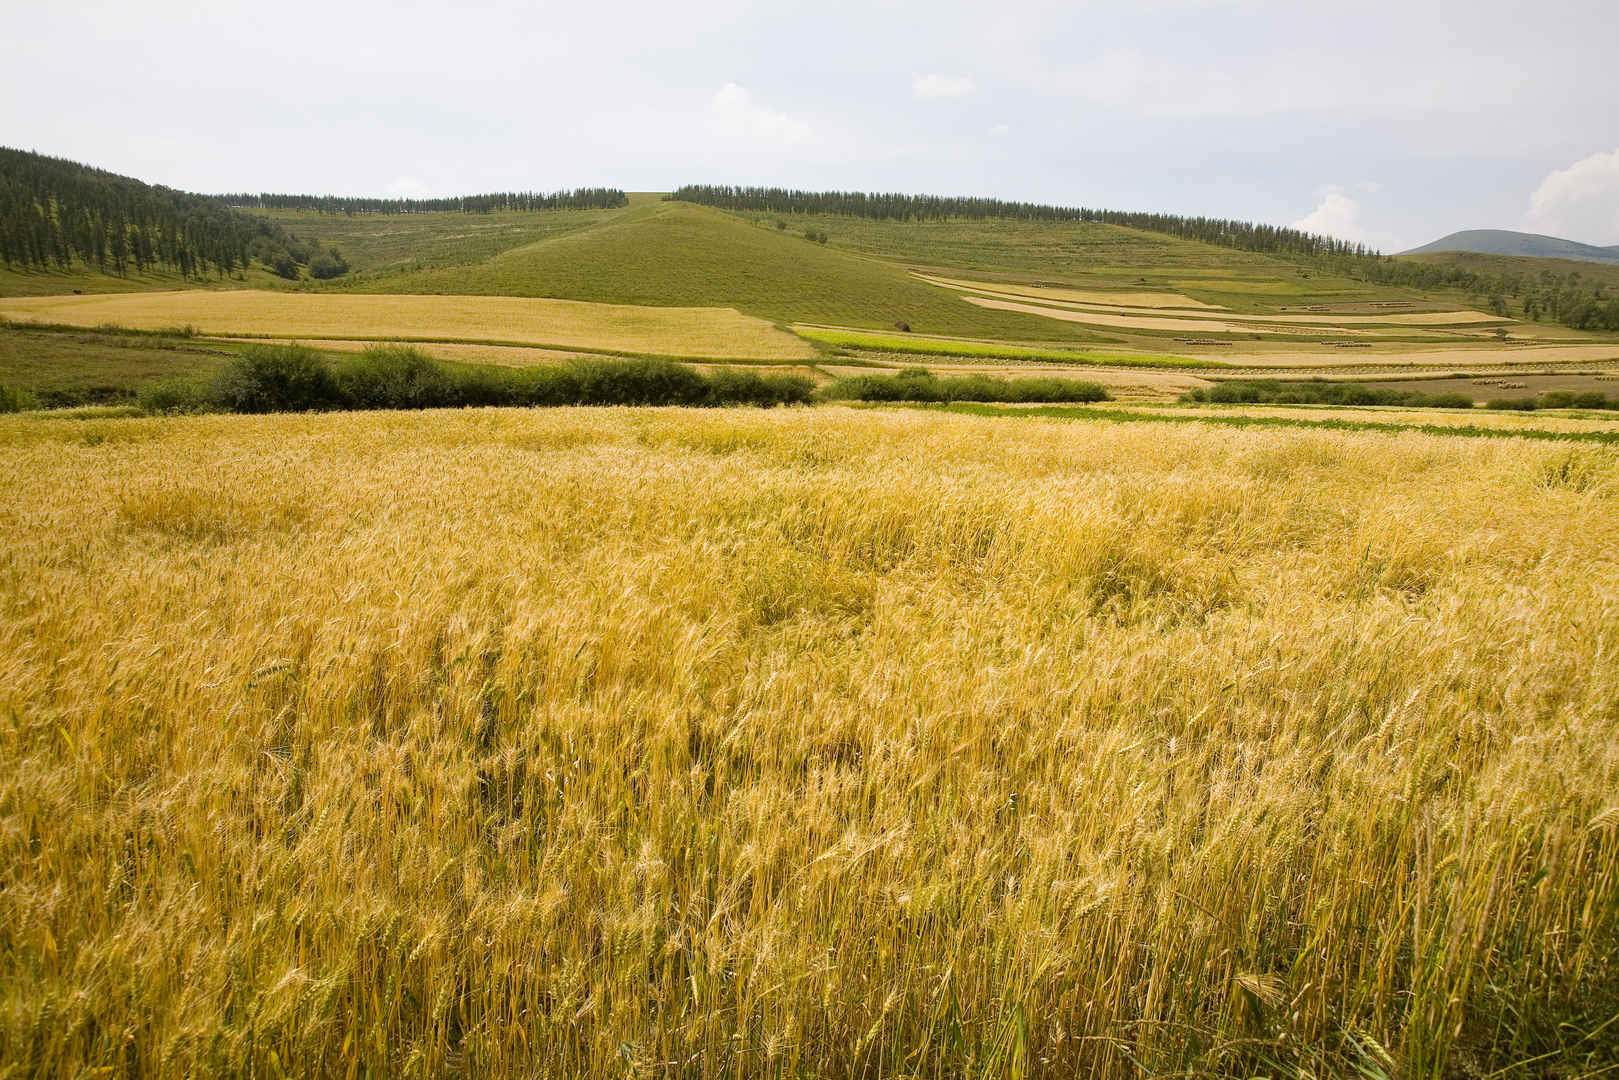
(1390, 123)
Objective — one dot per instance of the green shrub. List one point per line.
(919, 384)
(294, 378)
(329, 264)
(175, 396)
(277, 378)
(637, 382)
(1522, 404)
(394, 377)
(282, 264)
(731, 387)
(1577, 399)
(1322, 392)
(16, 399)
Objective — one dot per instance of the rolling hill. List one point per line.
(1506, 242)
(677, 254)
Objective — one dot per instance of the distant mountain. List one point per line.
(1505, 242)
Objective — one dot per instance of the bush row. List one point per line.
(295, 378)
(1558, 399)
(1322, 392)
(16, 399)
(920, 384)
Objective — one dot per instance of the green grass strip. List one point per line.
(1058, 412)
(991, 351)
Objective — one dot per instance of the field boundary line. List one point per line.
(1469, 431)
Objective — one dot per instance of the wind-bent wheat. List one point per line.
(822, 743)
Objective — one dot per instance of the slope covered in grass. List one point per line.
(674, 254)
(380, 244)
(1088, 254)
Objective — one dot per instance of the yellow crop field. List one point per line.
(1430, 358)
(700, 333)
(826, 742)
(1084, 296)
(1133, 322)
(1186, 308)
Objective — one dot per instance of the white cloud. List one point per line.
(1337, 215)
(407, 187)
(1000, 131)
(1580, 202)
(933, 87)
(733, 114)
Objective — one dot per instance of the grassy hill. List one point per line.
(1088, 254)
(1606, 274)
(676, 254)
(384, 244)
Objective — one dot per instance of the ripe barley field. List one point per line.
(701, 333)
(823, 742)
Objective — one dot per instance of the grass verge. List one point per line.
(993, 351)
(1057, 412)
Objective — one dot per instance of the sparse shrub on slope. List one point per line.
(327, 265)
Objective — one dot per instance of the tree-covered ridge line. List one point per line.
(54, 211)
(1243, 235)
(594, 198)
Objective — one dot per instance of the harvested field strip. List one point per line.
(697, 333)
(1330, 319)
(1427, 358)
(1424, 319)
(993, 350)
(1132, 322)
(1082, 296)
(1087, 412)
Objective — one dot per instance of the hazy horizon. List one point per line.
(1390, 125)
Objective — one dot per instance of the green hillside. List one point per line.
(384, 244)
(1090, 254)
(675, 254)
(1526, 267)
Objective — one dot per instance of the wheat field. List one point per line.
(1169, 305)
(820, 742)
(700, 333)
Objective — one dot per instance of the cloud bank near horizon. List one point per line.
(1389, 124)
